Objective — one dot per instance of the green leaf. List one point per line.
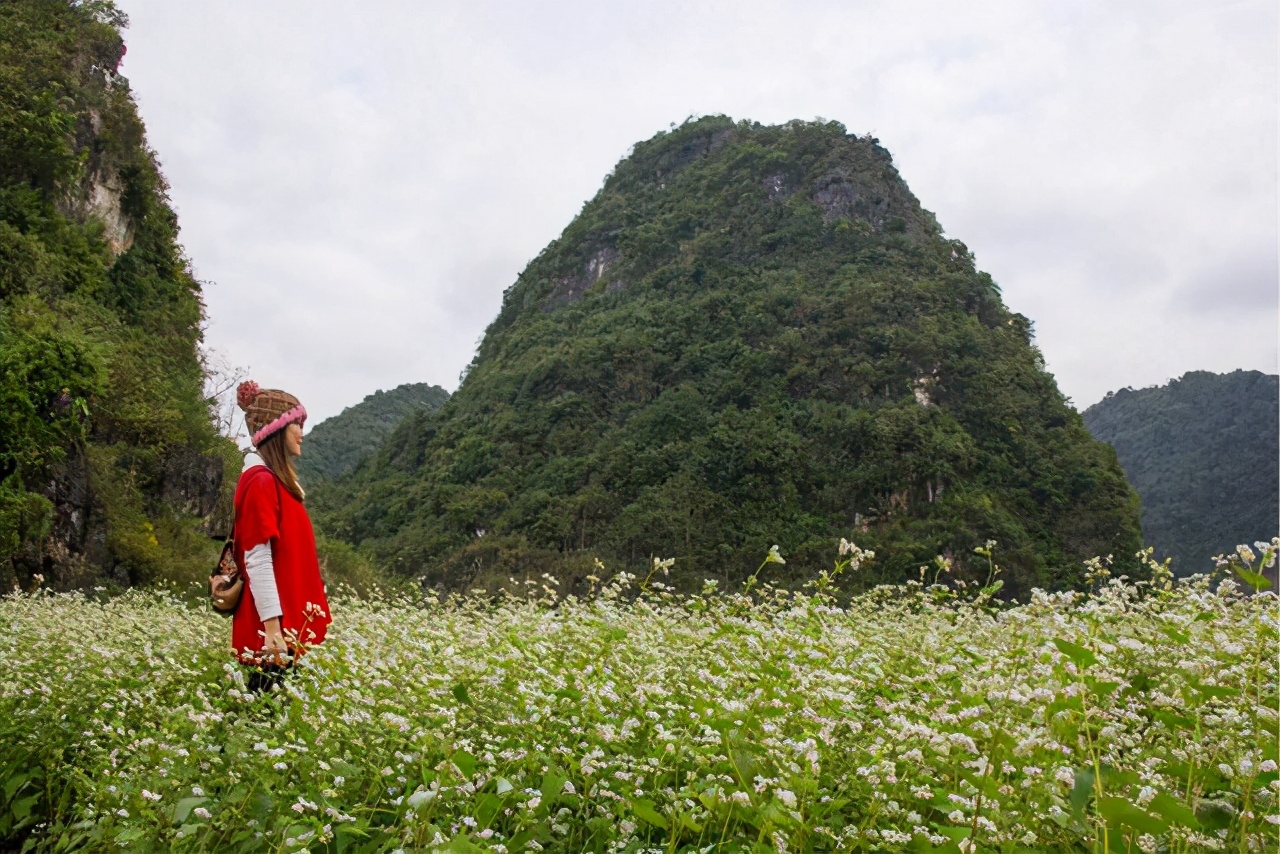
(460, 693)
(339, 766)
(1214, 815)
(12, 785)
(486, 808)
(1116, 842)
(183, 808)
(520, 842)
(297, 829)
(460, 844)
(920, 843)
(645, 810)
(745, 758)
(1220, 692)
(1081, 656)
(983, 782)
(1073, 704)
(1081, 791)
(1172, 720)
(263, 806)
(1120, 811)
(22, 807)
(1256, 580)
(1102, 688)
(464, 762)
(552, 784)
(346, 836)
(1173, 810)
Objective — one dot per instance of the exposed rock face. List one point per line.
(846, 197)
(693, 148)
(192, 482)
(103, 202)
(572, 288)
(72, 496)
(100, 192)
(76, 550)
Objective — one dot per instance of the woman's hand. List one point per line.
(274, 648)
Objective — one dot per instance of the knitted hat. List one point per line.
(268, 410)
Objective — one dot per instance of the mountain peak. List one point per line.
(751, 335)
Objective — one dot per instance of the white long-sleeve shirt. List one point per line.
(260, 569)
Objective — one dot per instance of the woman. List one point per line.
(283, 609)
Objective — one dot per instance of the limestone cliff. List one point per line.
(109, 463)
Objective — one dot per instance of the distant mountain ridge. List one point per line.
(1202, 453)
(337, 445)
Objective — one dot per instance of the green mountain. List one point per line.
(108, 456)
(337, 445)
(750, 336)
(1202, 453)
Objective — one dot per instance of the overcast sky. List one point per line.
(357, 183)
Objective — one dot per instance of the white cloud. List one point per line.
(361, 183)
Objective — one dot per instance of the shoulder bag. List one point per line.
(226, 582)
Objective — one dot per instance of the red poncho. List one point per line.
(267, 512)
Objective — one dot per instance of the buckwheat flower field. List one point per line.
(1134, 718)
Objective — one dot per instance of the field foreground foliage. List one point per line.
(1137, 717)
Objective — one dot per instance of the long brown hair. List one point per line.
(273, 453)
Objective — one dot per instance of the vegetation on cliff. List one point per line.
(107, 449)
(337, 445)
(1201, 451)
(751, 336)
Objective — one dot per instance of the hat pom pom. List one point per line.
(246, 393)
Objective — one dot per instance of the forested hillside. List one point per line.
(751, 336)
(337, 445)
(108, 456)
(1202, 452)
